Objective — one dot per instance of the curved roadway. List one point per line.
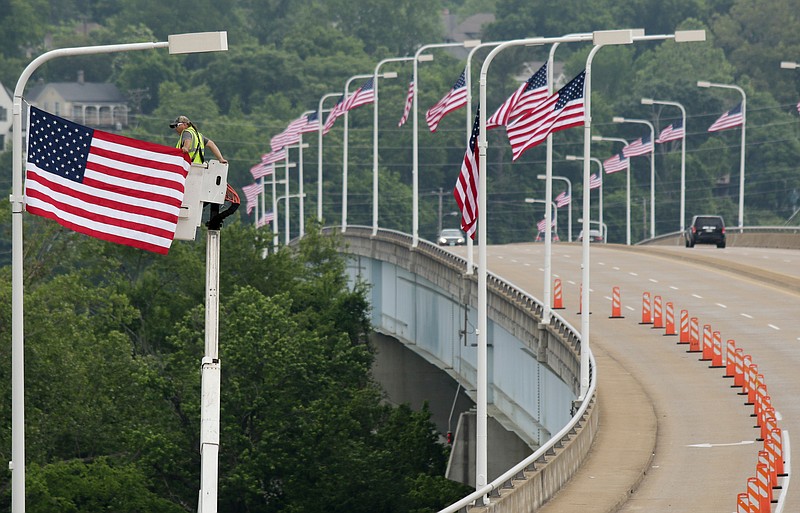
(692, 446)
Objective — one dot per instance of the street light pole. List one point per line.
(703, 83)
(555, 209)
(375, 135)
(627, 187)
(600, 176)
(569, 206)
(345, 139)
(415, 134)
(177, 44)
(650, 101)
(319, 151)
(652, 168)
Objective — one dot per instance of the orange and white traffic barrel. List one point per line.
(647, 312)
(684, 328)
(669, 319)
(558, 295)
(616, 304)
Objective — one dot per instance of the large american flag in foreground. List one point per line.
(453, 100)
(466, 190)
(559, 111)
(730, 119)
(104, 185)
(526, 97)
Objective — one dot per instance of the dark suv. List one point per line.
(705, 230)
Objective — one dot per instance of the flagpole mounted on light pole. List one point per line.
(177, 44)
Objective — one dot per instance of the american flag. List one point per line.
(104, 185)
(730, 119)
(559, 111)
(261, 170)
(311, 123)
(265, 219)
(672, 133)
(526, 97)
(466, 189)
(251, 193)
(333, 115)
(407, 106)
(273, 156)
(364, 95)
(290, 135)
(616, 163)
(595, 182)
(453, 100)
(562, 200)
(542, 225)
(641, 146)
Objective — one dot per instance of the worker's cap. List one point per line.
(179, 119)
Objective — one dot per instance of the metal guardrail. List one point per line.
(560, 327)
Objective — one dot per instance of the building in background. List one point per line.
(94, 104)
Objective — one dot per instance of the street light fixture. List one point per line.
(650, 101)
(706, 84)
(569, 206)
(415, 136)
(176, 44)
(618, 119)
(789, 65)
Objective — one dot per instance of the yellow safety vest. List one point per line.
(196, 153)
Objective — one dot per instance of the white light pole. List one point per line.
(345, 139)
(627, 187)
(415, 134)
(301, 179)
(319, 150)
(569, 206)
(617, 119)
(650, 101)
(703, 83)
(177, 44)
(375, 76)
(470, 120)
(600, 176)
(547, 221)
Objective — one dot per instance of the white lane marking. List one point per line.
(601, 263)
(526, 264)
(633, 274)
(746, 315)
(571, 282)
(774, 327)
(652, 280)
(607, 298)
(697, 296)
(632, 310)
(707, 445)
(673, 287)
(513, 260)
(721, 305)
